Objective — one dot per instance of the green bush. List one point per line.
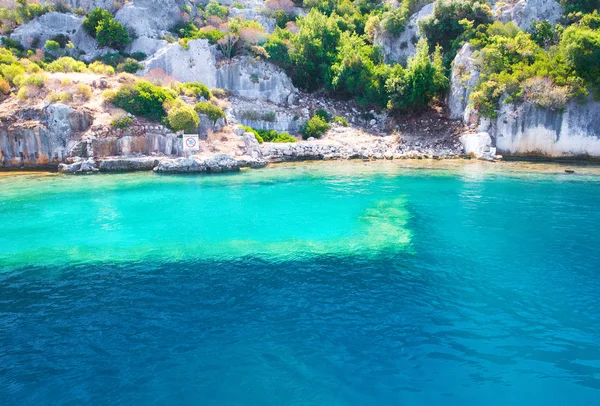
(91, 22)
(323, 114)
(211, 35)
(112, 34)
(130, 65)
(195, 89)
(412, 89)
(341, 121)
(213, 112)
(108, 32)
(253, 131)
(143, 99)
(315, 127)
(66, 64)
(181, 116)
(215, 9)
(444, 26)
(122, 121)
(139, 56)
(52, 46)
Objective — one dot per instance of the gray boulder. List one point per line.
(127, 164)
(252, 147)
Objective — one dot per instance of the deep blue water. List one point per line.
(301, 285)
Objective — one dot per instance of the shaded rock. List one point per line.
(147, 45)
(79, 166)
(122, 164)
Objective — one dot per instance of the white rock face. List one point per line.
(147, 45)
(478, 144)
(523, 12)
(47, 26)
(463, 79)
(525, 128)
(195, 64)
(150, 18)
(255, 79)
(399, 49)
(46, 143)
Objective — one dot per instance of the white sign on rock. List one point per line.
(190, 143)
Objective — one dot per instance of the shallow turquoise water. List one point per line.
(305, 284)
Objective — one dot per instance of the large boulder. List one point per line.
(463, 79)
(400, 48)
(523, 12)
(197, 63)
(147, 45)
(247, 77)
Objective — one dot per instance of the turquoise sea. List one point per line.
(306, 284)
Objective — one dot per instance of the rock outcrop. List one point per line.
(523, 12)
(249, 78)
(35, 33)
(527, 129)
(197, 63)
(151, 18)
(463, 79)
(45, 140)
(87, 5)
(400, 48)
(216, 163)
(251, 145)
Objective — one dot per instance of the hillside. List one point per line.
(517, 77)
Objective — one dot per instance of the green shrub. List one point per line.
(143, 99)
(215, 9)
(66, 64)
(130, 65)
(101, 69)
(181, 116)
(35, 79)
(195, 89)
(211, 35)
(83, 91)
(91, 22)
(323, 114)
(52, 46)
(412, 89)
(112, 34)
(213, 112)
(315, 127)
(341, 121)
(139, 56)
(122, 121)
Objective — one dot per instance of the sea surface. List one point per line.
(306, 284)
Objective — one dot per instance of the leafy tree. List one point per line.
(315, 127)
(112, 34)
(90, 23)
(412, 89)
(580, 44)
(181, 116)
(143, 99)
